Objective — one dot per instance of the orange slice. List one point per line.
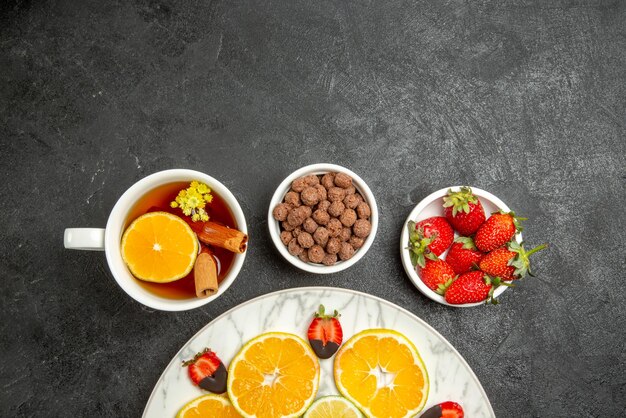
(159, 247)
(213, 406)
(381, 371)
(274, 375)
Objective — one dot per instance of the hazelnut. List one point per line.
(294, 248)
(316, 254)
(346, 252)
(321, 192)
(321, 236)
(362, 228)
(343, 180)
(304, 257)
(334, 227)
(297, 216)
(363, 210)
(336, 208)
(328, 180)
(356, 242)
(329, 259)
(299, 184)
(345, 234)
(312, 180)
(348, 217)
(293, 199)
(309, 196)
(309, 225)
(305, 240)
(286, 237)
(336, 193)
(333, 246)
(323, 205)
(351, 201)
(281, 211)
(321, 217)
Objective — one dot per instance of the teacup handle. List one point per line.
(90, 239)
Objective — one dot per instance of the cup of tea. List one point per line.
(154, 195)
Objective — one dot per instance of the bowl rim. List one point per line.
(274, 226)
(404, 242)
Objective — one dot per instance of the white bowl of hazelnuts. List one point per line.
(323, 218)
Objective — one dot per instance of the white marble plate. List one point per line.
(291, 311)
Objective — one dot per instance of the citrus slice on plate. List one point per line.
(214, 406)
(274, 375)
(159, 247)
(332, 407)
(381, 371)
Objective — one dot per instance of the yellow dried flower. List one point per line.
(193, 200)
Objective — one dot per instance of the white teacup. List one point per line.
(109, 239)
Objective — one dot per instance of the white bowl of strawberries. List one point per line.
(462, 247)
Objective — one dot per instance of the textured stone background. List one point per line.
(526, 99)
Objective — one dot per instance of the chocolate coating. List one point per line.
(216, 383)
(324, 351)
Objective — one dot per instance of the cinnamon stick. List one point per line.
(205, 274)
(213, 233)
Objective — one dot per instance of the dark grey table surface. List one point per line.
(524, 99)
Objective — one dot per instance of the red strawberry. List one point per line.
(509, 263)
(463, 255)
(475, 286)
(444, 410)
(435, 274)
(464, 211)
(497, 231)
(207, 371)
(325, 334)
(429, 238)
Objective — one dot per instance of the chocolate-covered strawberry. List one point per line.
(444, 410)
(463, 255)
(497, 231)
(325, 333)
(509, 263)
(463, 210)
(207, 371)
